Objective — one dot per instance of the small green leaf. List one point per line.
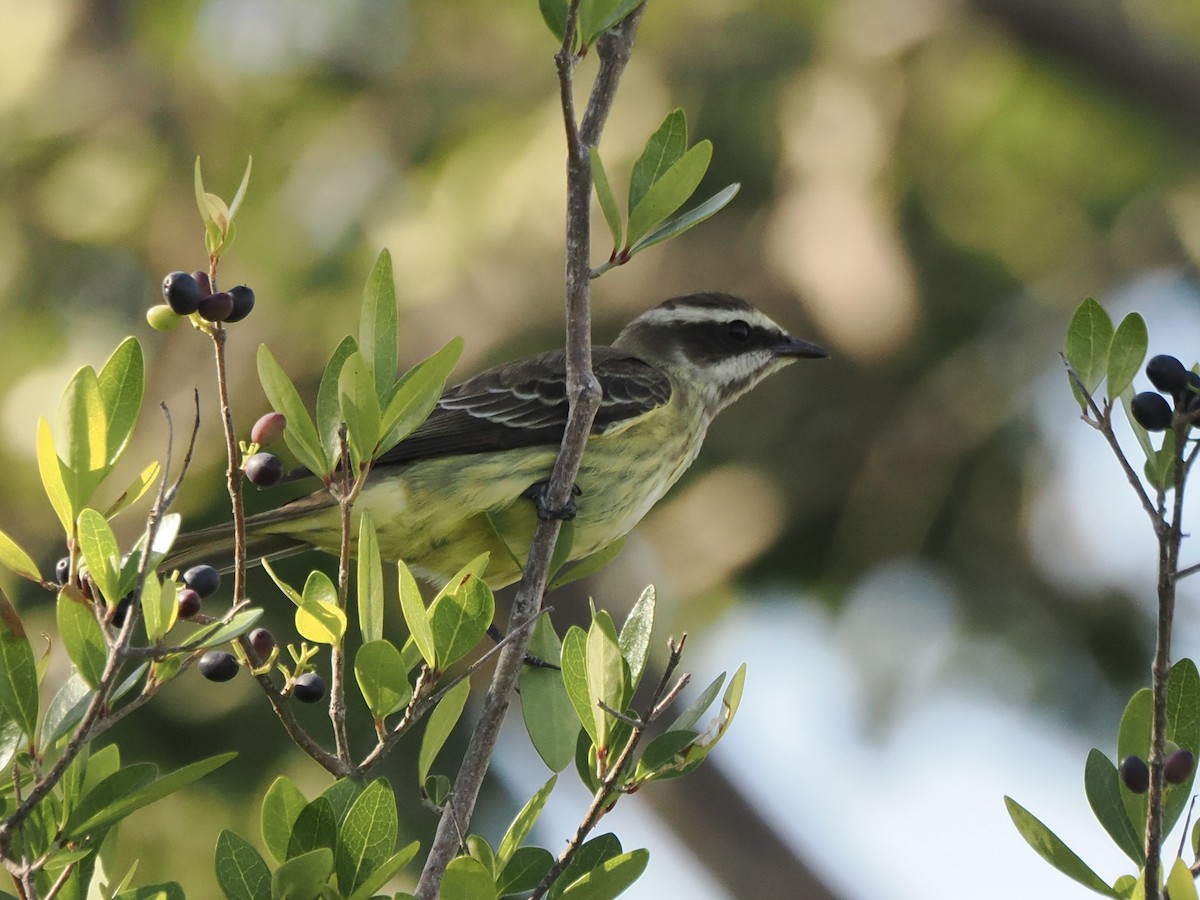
(219, 633)
(329, 403)
(377, 328)
(524, 871)
(605, 675)
(299, 876)
(689, 717)
(83, 436)
(575, 678)
(603, 15)
(242, 874)
(1183, 728)
(416, 394)
(360, 409)
(367, 836)
(459, 620)
(590, 856)
(301, 435)
(136, 490)
(321, 622)
(478, 847)
(635, 638)
(81, 635)
(440, 724)
(53, 475)
(437, 790)
(101, 553)
(524, 822)
(415, 614)
(677, 225)
(663, 149)
(236, 204)
(341, 796)
(280, 808)
(1089, 337)
(466, 878)
(160, 606)
(370, 580)
(669, 192)
(288, 591)
(1050, 848)
(666, 756)
(315, 828)
(604, 194)
(589, 565)
(17, 560)
(545, 706)
(1103, 789)
(382, 678)
(1126, 353)
(65, 709)
(610, 878)
(554, 13)
(122, 384)
(18, 670)
(387, 870)
(1181, 883)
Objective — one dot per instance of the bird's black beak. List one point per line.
(794, 347)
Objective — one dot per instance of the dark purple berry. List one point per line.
(216, 307)
(1134, 774)
(264, 469)
(62, 570)
(1167, 374)
(243, 302)
(182, 293)
(1178, 766)
(202, 280)
(262, 642)
(204, 580)
(217, 665)
(189, 602)
(121, 611)
(1151, 411)
(268, 429)
(309, 688)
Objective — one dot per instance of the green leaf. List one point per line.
(129, 801)
(590, 856)
(300, 876)
(360, 409)
(524, 871)
(160, 607)
(635, 638)
(554, 13)
(415, 614)
(575, 678)
(689, 717)
(666, 756)
(329, 403)
(459, 620)
(386, 872)
(319, 618)
(718, 727)
(242, 874)
(101, 554)
(1183, 728)
(122, 383)
(1181, 884)
(604, 194)
(82, 436)
(168, 890)
(478, 847)
(280, 808)
(288, 591)
(677, 225)
(545, 706)
(370, 580)
(610, 878)
(1103, 788)
(662, 151)
(300, 435)
(316, 827)
(367, 836)
(1050, 848)
(136, 490)
(53, 475)
(219, 633)
(18, 671)
(437, 790)
(1133, 739)
(105, 790)
(466, 878)
(605, 675)
(17, 560)
(589, 565)
(416, 394)
(341, 796)
(1126, 353)
(65, 709)
(377, 328)
(439, 726)
(1089, 337)
(524, 822)
(81, 635)
(382, 678)
(603, 15)
(241, 191)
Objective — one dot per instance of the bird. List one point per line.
(460, 484)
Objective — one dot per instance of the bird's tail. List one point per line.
(214, 546)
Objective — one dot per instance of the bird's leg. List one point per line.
(537, 493)
(535, 662)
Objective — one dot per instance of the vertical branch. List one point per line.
(583, 393)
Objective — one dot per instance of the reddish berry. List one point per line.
(262, 642)
(268, 429)
(189, 602)
(202, 280)
(1178, 766)
(216, 307)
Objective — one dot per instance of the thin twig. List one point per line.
(337, 655)
(233, 471)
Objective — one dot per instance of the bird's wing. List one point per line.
(524, 404)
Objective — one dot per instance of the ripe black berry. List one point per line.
(1151, 411)
(182, 293)
(1134, 774)
(216, 307)
(243, 302)
(121, 611)
(1178, 766)
(62, 569)
(262, 642)
(202, 280)
(204, 580)
(1167, 374)
(264, 469)
(189, 602)
(309, 688)
(268, 429)
(217, 665)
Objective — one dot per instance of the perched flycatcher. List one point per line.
(459, 484)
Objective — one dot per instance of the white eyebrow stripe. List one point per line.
(681, 315)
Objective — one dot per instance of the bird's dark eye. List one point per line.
(738, 329)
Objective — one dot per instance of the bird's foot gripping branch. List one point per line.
(1141, 798)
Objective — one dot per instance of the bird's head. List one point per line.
(714, 344)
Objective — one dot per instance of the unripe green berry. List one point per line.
(163, 318)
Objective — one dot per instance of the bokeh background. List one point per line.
(940, 581)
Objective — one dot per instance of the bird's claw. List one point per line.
(537, 493)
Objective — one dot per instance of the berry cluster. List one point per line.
(1150, 409)
(186, 294)
(1135, 774)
